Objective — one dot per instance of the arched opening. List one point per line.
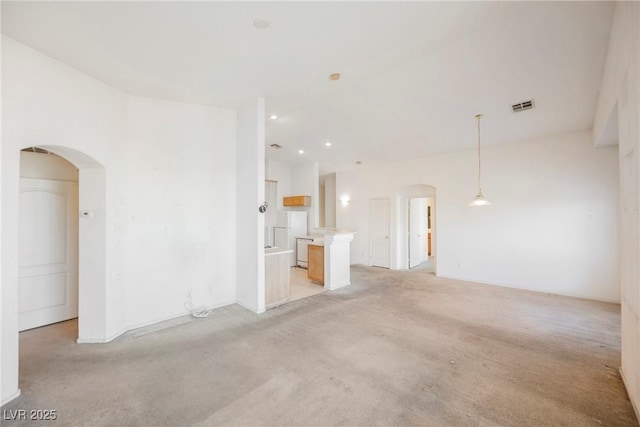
(47, 239)
(416, 227)
(47, 278)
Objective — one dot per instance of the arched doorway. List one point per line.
(48, 239)
(92, 259)
(91, 242)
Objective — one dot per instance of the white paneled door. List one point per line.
(48, 252)
(379, 231)
(418, 231)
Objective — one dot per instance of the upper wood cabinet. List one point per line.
(296, 201)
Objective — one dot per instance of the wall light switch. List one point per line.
(86, 214)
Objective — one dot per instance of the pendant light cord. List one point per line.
(479, 116)
(479, 200)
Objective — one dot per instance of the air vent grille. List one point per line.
(37, 150)
(523, 106)
(276, 146)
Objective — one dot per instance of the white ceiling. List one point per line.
(414, 74)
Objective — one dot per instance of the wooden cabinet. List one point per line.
(315, 269)
(296, 201)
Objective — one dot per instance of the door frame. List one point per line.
(94, 325)
(92, 247)
(402, 195)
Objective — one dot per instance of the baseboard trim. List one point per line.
(93, 340)
(251, 309)
(333, 288)
(142, 325)
(463, 279)
(10, 398)
(633, 404)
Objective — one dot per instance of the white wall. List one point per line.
(321, 206)
(250, 288)
(8, 337)
(330, 200)
(619, 108)
(47, 103)
(178, 208)
(281, 172)
(553, 226)
(150, 170)
(305, 181)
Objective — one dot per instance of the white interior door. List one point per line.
(48, 252)
(418, 231)
(379, 229)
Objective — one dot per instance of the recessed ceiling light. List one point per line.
(327, 144)
(261, 24)
(273, 117)
(301, 151)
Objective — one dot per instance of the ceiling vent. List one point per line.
(276, 146)
(522, 106)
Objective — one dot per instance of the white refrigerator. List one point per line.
(289, 225)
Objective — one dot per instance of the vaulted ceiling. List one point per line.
(413, 74)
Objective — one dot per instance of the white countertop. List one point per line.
(276, 251)
(320, 232)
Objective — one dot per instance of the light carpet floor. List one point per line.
(394, 348)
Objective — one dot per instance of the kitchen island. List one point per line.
(337, 258)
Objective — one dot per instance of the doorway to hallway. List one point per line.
(416, 246)
(48, 239)
(418, 240)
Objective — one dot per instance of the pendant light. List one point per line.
(479, 200)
